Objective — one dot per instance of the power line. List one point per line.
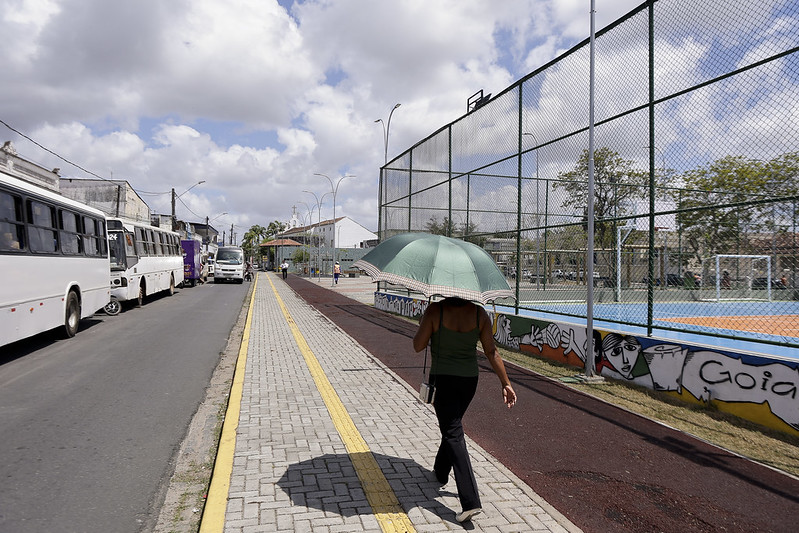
(187, 208)
(64, 159)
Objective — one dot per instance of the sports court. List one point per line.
(758, 326)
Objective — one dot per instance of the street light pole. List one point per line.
(537, 220)
(174, 219)
(386, 126)
(310, 223)
(334, 190)
(208, 228)
(318, 247)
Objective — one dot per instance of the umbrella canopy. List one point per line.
(436, 265)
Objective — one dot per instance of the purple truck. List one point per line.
(192, 262)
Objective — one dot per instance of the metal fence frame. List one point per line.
(497, 175)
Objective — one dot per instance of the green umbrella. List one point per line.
(436, 265)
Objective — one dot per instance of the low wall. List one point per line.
(754, 387)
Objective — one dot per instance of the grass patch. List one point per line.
(771, 447)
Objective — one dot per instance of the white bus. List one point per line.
(54, 260)
(145, 260)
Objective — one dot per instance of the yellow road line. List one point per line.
(378, 492)
(213, 519)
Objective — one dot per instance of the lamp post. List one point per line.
(537, 221)
(174, 219)
(386, 126)
(334, 190)
(208, 228)
(310, 222)
(318, 247)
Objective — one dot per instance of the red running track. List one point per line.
(606, 469)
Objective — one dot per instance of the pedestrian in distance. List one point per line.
(284, 268)
(452, 327)
(336, 272)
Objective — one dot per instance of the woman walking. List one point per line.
(452, 327)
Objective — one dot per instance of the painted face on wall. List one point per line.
(621, 352)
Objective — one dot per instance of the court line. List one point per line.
(379, 494)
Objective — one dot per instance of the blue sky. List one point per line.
(256, 96)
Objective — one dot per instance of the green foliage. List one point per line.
(444, 228)
(618, 185)
(448, 228)
(256, 235)
(711, 216)
(300, 255)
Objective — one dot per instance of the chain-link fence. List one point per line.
(696, 174)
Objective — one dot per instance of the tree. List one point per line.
(300, 255)
(724, 202)
(617, 186)
(252, 239)
(432, 226)
(251, 242)
(448, 228)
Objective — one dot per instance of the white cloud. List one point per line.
(254, 99)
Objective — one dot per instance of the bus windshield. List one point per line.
(116, 249)
(121, 250)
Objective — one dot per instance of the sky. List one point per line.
(257, 97)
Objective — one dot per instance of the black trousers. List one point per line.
(453, 396)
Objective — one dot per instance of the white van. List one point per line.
(229, 264)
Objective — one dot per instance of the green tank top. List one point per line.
(454, 353)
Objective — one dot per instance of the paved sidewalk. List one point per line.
(360, 289)
(295, 469)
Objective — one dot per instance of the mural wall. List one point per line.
(755, 388)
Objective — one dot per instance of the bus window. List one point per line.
(90, 238)
(68, 225)
(140, 242)
(11, 225)
(42, 232)
(157, 236)
(150, 241)
(102, 238)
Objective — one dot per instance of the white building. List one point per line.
(348, 233)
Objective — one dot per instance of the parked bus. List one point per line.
(54, 259)
(145, 260)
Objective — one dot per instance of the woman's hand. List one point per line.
(509, 396)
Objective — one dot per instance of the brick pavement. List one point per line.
(291, 468)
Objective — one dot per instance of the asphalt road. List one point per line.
(606, 469)
(89, 426)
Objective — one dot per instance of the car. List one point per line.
(672, 280)
(762, 283)
(531, 276)
(604, 281)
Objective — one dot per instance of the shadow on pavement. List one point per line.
(330, 483)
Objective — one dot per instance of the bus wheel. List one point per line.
(72, 318)
(140, 297)
(113, 307)
(171, 285)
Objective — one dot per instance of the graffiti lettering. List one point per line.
(712, 373)
(401, 305)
